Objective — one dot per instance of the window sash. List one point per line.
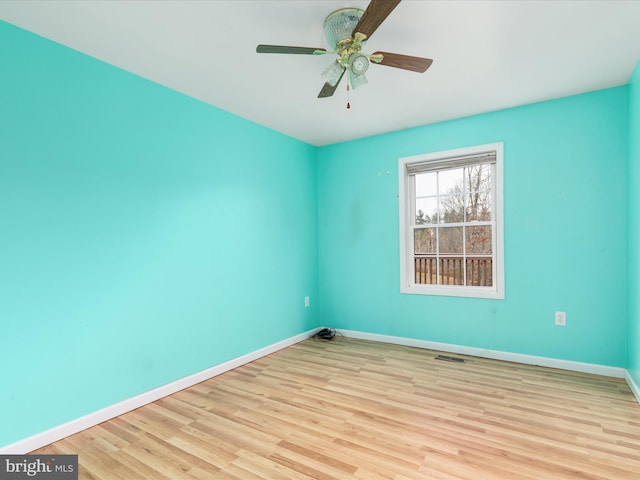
(463, 256)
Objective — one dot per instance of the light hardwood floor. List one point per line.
(353, 409)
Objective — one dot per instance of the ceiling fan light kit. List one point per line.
(339, 26)
(346, 31)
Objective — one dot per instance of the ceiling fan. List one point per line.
(347, 30)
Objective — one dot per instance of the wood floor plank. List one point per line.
(353, 409)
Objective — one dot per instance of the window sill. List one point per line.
(437, 290)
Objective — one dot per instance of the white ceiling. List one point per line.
(488, 55)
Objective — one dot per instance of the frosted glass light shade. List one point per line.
(340, 24)
(358, 63)
(357, 81)
(332, 73)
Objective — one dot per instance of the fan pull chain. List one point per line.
(348, 96)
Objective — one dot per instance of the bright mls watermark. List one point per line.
(49, 467)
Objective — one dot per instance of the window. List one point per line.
(451, 235)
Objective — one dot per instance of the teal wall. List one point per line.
(565, 232)
(144, 235)
(634, 226)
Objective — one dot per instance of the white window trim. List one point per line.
(407, 284)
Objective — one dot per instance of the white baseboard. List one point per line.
(57, 433)
(494, 354)
(635, 389)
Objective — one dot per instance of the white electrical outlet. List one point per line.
(306, 301)
(561, 318)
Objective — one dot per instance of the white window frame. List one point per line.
(407, 274)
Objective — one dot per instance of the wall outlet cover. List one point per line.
(561, 318)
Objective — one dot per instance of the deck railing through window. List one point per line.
(479, 270)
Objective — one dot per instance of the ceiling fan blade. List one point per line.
(293, 50)
(328, 89)
(405, 62)
(374, 15)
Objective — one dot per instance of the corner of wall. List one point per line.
(633, 235)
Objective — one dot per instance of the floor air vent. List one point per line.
(447, 358)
